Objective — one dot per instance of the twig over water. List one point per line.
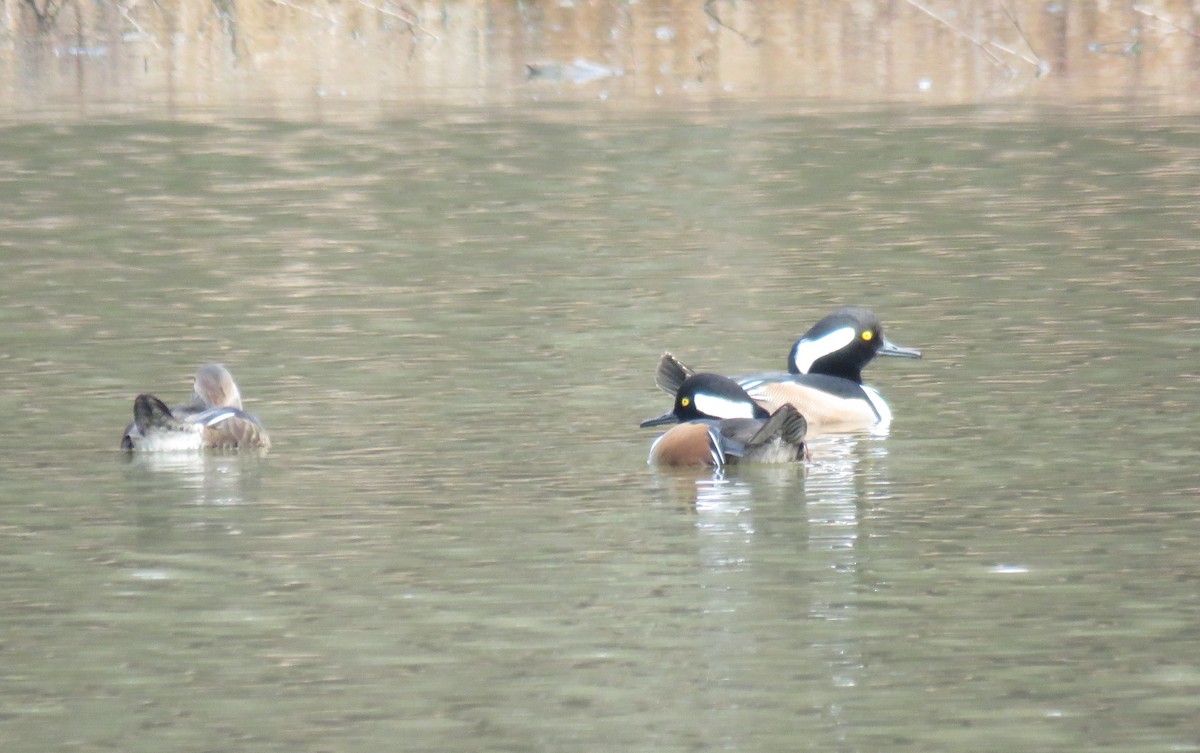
(986, 46)
(1174, 26)
(711, 12)
(409, 20)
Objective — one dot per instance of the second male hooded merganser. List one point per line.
(719, 424)
(824, 377)
(214, 419)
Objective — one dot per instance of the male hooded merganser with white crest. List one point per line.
(214, 419)
(824, 379)
(719, 424)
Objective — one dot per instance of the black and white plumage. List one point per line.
(719, 424)
(824, 377)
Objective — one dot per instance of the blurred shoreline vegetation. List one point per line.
(296, 52)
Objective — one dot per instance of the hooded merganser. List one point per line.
(719, 424)
(824, 379)
(214, 419)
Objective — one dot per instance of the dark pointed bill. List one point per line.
(667, 418)
(889, 348)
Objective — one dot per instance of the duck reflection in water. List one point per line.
(203, 479)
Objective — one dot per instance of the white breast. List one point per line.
(168, 441)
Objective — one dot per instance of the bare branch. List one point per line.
(1147, 11)
(983, 45)
(711, 12)
(1037, 59)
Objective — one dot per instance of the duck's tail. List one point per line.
(152, 423)
(150, 413)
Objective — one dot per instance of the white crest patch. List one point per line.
(723, 407)
(808, 351)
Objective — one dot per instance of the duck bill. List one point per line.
(889, 348)
(666, 418)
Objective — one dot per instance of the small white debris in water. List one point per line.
(149, 575)
(1009, 569)
(924, 85)
(664, 33)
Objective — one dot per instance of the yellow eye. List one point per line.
(685, 402)
(868, 335)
